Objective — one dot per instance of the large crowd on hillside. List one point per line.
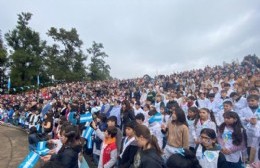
(200, 118)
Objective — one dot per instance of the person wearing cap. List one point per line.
(128, 146)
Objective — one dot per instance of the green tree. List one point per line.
(3, 53)
(251, 59)
(27, 49)
(65, 61)
(98, 68)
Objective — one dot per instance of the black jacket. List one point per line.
(150, 159)
(127, 116)
(67, 157)
(128, 156)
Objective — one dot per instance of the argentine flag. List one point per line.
(41, 148)
(9, 84)
(87, 117)
(87, 134)
(30, 161)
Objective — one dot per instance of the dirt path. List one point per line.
(13, 146)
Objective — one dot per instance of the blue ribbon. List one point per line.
(87, 117)
(180, 151)
(87, 134)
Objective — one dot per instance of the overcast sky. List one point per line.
(150, 36)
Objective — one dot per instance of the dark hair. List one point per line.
(142, 130)
(226, 85)
(211, 95)
(118, 102)
(211, 115)
(223, 91)
(180, 115)
(191, 98)
(127, 104)
(64, 125)
(147, 105)
(194, 110)
(102, 117)
(49, 116)
(209, 132)
(228, 102)
(138, 103)
(33, 130)
(232, 94)
(152, 112)
(63, 119)
(254, 97)
(112, 131)
(112, 119)
(177, 160)
(239, 131)
(253, 89)
(70, 132)
(140, 116)
(131, 124)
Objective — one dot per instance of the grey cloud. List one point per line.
(151, 36)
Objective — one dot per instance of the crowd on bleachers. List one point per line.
(201, 118)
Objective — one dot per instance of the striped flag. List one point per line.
(30, 161)
(38, 80)
(87, 134)
(9, 84)
(87, 117)
(45, 109)
(41, 148)
(71, 118)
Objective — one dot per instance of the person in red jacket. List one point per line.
(108, 155)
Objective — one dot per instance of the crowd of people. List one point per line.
(200, 118)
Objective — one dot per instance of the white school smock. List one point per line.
(227, 139)
(206, 124)
(207, 159)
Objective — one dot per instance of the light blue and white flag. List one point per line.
(72, 118)
(41, 145)
(38, 80)
(155, 118)
(30, 161)
(38, 126)
(41, 148)
(45, 109)
(87, 117)
(9, 84)
(87, 134)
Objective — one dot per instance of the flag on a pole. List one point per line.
(9, 84)
(38, 80)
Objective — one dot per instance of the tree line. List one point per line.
(65, 59)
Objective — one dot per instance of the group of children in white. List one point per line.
(220, 129)
(223, 124)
